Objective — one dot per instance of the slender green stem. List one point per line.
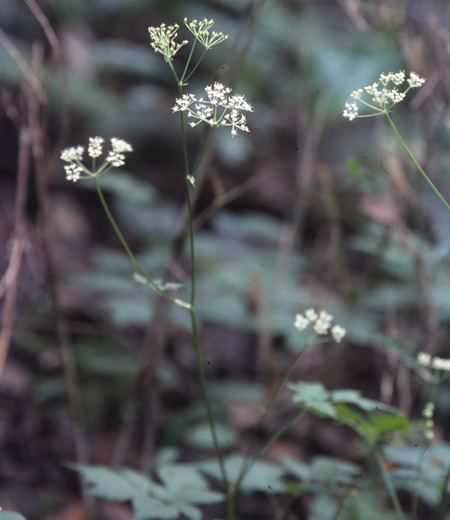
(390, 487)
(195, 335)
(264, 412)
(196, 65)
(144, 273)
(183, 76)
(283, 381)
(425, 176)
(202, 155)
(251, 462)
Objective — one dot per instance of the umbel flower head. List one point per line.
(74, 156)
(163, 37)
(322, 324)
(383, 98)
(163, 40)
(219, 109)
(201, 32)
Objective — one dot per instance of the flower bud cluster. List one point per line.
(201, 32)
(322, 324)
(437, 363)
(163, 37)
(382, 98)
(428, 413)
(220, 109)
(163, 40)
(74, 156)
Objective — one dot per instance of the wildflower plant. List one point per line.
(381, 97)
(220, 108)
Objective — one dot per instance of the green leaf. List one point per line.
(314, 398)
(387, 423)
(107, 483)
(263, 476)
(354, 397)
(183, 486)
(200, 436)
(147, 507)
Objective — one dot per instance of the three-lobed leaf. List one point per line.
(182, 488)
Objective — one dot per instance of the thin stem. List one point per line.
(390, 487)
(144, 273)
(272, 398)
(208, 139)
(283, 382)
(250, 463)
(198, 352)
(425, 176)
(196, 65)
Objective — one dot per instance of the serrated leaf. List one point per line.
(147, 507)
(263, 476)
(354, 397)
(190, 511)
(106, 483)
(314, 398)
(184, 484)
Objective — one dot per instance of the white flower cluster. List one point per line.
(163, 40)
(74, 156)
(437, 363)
(384, 98)
(322, 324)
(220, 109)
(201, 32)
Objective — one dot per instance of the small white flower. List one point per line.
(356, 94)
(415, 80)
(74, 153)
(338, 333)
(323, 323)
(301, 323)
(182, 104)
(424, 359)
(95, 146)
(441, 364)
(351, 111)
(116, 159)
(120, 146)
(311, 314)
(73, 172)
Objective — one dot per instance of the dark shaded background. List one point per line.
(321, 212)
